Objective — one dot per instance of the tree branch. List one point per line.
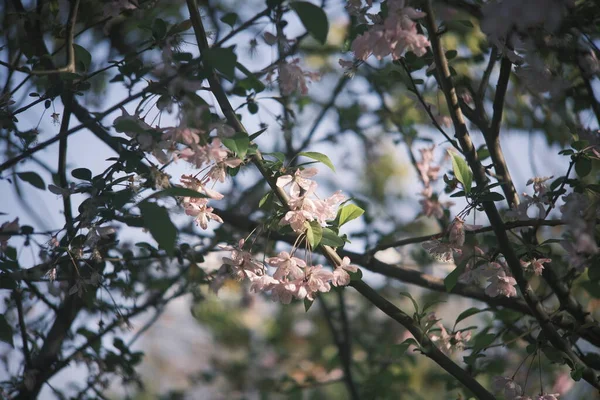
(505, 247)
(329, 252)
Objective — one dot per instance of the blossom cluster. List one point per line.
(447, 342)
(197, 148)
(291, 77)
(293, 277)
(393, 35)
(304, 205)
(513, 391)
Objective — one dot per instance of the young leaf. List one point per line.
(313, 18)
(462, 172)
(406, 294)
(157, 221)
(349, 212)
(314, 233)
(33, 179)
(467, 313)
(319, 157)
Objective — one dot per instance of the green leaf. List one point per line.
(83, 57)
(415, 305)
(330, 238)
(242, 141)
(491, 196)
(319, 157)
(462, 171)
(159, 29)
(577, 373)
(450, 54)
(82, 173)
(157, 221)
(556, 356)
(33, 179)
(6, 333)
(313, 18)
(239, 144)
(229, 19)
(257, 134)
(593, 288)
(314, 233)
(482, 341)
(467, 313)
(307, 304)
(221, 59)
(10, 252)
(176, 191)
(265, 199)
(348, 213)
(398, 350)
(583, 166)
(453, 276)
(482, 152)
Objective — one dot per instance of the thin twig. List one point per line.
(507, 225)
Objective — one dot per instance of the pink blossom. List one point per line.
(287, 265)
(216, 151)
(457, 232)
(219, 171)
(443, 339)
(536, 264)
(510, 388)
(501, 284)
(563, 383)
(326, 210)
(261, 283)
(241, 262)
(340, 276)
(440, 251)
(539, 185)
(193, 183)
(283, 292)
(300, 181)
(475, 255)
(196, 155)
(292, 78)
(429, 172)
(202, 212)
(316, 280)
(187, 136)
(296, 219)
